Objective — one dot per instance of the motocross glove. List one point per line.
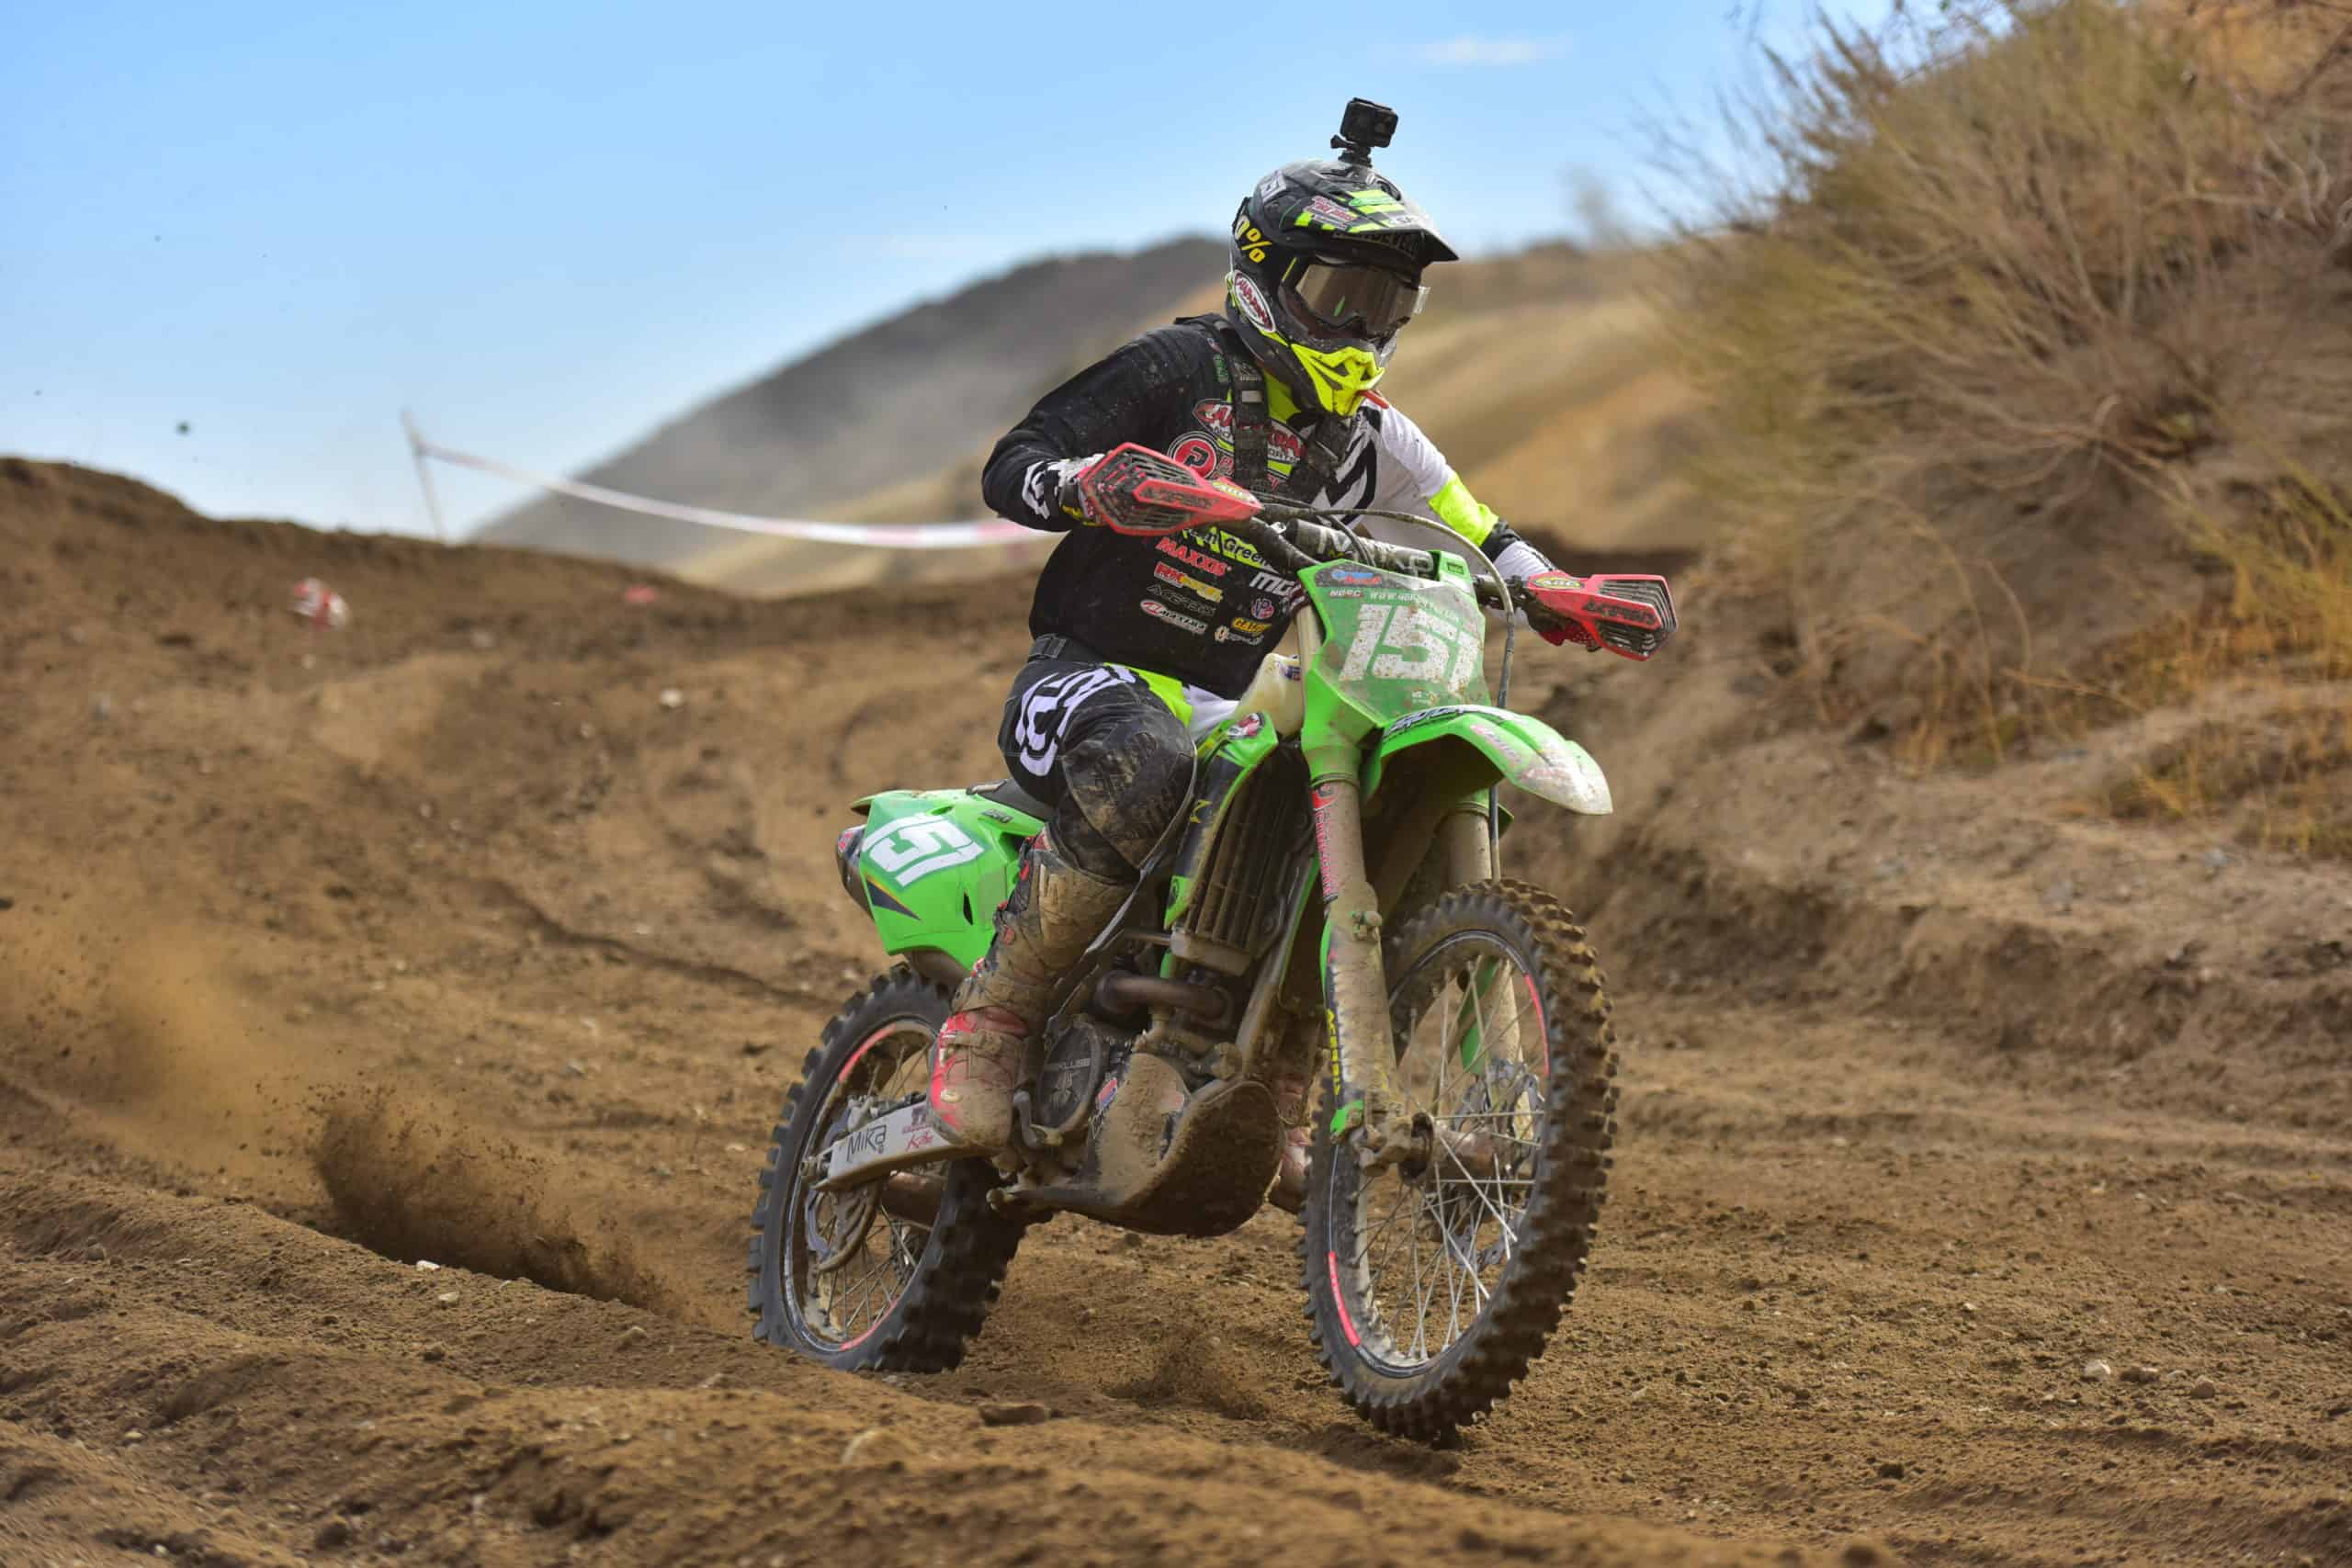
(1520, 560)
(1067, 498)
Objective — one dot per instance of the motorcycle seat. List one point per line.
(1007, 793)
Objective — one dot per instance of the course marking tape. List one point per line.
(889, 536)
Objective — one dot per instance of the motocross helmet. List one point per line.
(1327, 264)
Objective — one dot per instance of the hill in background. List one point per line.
(899, 397)
(1537, 373)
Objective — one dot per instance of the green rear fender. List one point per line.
(931, 866)
(1527, 752)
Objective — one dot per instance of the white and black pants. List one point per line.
(1090, 740)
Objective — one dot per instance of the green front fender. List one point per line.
(1527, 752)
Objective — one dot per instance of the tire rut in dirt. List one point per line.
(953, 1281)
(408, 1181)
(1545, 1254)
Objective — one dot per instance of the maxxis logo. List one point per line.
(1199, 560)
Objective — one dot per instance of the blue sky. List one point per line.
(548, 227)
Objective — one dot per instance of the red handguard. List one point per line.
(1630, 615)
(1137, 490)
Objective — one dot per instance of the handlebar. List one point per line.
(1310, 544)
(1627, 614)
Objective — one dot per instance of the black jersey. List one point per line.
(1200, 605)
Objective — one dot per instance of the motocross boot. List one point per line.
(1054, 911)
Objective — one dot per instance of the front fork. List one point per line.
(1356, 988)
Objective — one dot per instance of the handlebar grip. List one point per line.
(1337, 544)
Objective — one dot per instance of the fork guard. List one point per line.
(1526, 751)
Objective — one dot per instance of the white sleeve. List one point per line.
(1410, 468)
(1408, 471)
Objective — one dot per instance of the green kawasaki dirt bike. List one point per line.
(1327, 908)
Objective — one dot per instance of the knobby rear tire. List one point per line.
(1434, 1399)
(957, 1275)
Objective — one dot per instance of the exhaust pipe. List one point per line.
(1122, 995)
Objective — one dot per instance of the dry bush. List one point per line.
(2275, 649)
(2014, 279)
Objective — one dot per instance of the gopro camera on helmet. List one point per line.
(1363, 126)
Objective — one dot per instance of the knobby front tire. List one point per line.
(1431, 1289)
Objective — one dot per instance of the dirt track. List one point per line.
(458, 944)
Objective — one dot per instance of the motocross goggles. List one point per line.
(1351, 299)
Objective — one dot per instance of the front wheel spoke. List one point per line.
(1420, 1295)
(1461, 1116)
(1478, 1012)
(1464, 1250)
(1510, 1236)
(1387, 1228)
(1453, 1301)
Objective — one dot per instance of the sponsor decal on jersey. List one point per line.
(1190, 584)
(1264, 609)
(1283, 443)
(1288, 593)
(1154, 608)
(1230, 634)
(1232, 546)
(1253, 628)
(1199, 560)
(1198, 454)
(1246, 295)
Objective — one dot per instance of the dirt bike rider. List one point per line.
(1142, 645)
